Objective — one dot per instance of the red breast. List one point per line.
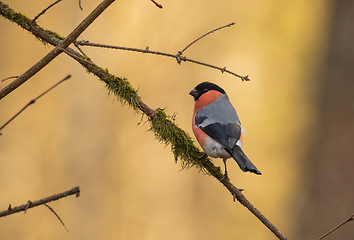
(203, 100)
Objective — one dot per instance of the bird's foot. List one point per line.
(225, 177)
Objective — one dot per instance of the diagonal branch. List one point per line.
(29, 204)
(351, 218)
(56, 51)
(162, 125)
(33, 101)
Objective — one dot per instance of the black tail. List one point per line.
(242, 160)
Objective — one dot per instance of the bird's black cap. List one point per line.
(204, 87)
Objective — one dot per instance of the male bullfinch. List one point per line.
(217, 127)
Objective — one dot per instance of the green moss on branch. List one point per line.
(25, 22)
(167, 132)
(162, 125)
(123, 90)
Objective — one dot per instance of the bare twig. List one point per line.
(51, 209)
(80, 5)
(351, 218)
(3, 80)
(44, 10)
(29, 204)
(34, 100)
(56, 51)
(177, 56)
(157, 4)
(216, 29)
(78, 47)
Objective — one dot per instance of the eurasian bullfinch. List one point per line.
(217, 127)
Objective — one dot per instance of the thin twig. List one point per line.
(80, 5)
(177, 56)
(351, 218)
(157, 4)
(51, 209)
(216, 29)
(44, 10)
(34, 100)
(3, 80)
(80, 50)
(29, 204)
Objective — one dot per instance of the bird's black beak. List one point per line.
(194, 93)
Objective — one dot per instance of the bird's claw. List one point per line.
(225, 177)
(234, 194)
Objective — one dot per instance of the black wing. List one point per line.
(227, 135)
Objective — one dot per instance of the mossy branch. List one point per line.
(162, 125)
(14, 16)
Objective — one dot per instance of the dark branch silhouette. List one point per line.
(157, 4)
(351, 218)
(52, 210)
(80, 5)
(44, 10)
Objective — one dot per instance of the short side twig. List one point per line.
(80, 50)
(216, 29)
(44, 10)
(351, 218)
(29, 204)
(52, 210)
(34, 100)
(157, 4)
(3, 80)
(80, 5)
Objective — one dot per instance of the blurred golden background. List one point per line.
(131, 188)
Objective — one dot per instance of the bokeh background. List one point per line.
(298, 112)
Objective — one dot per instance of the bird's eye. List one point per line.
(205, 90)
